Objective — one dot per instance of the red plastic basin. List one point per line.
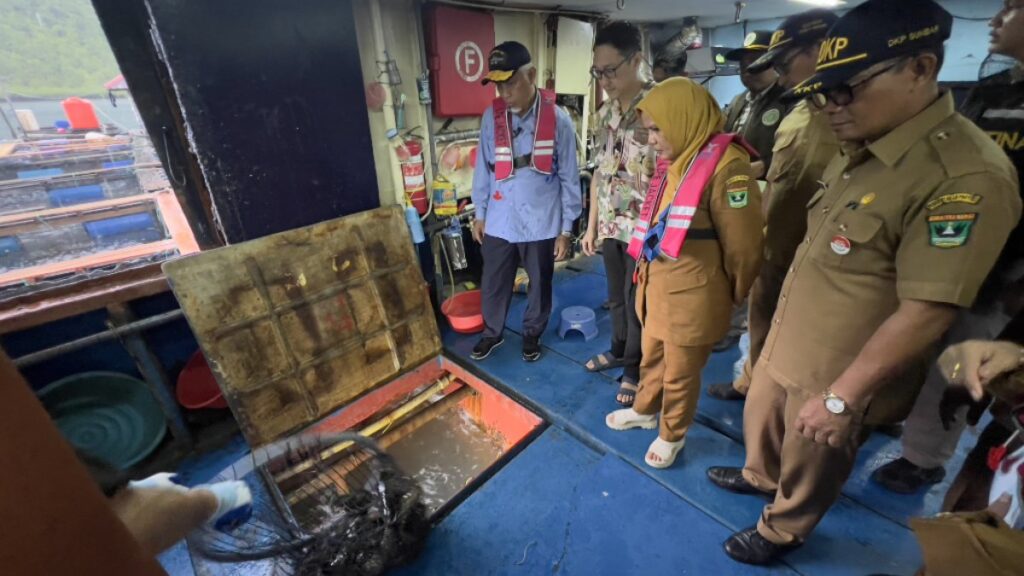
(197, 387)
(464, 312)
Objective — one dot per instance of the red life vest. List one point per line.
(542, 158)
(669, 234)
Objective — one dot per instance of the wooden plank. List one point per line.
(298, 324)
(63, 212)
(67, 301)
(6, 185)
(35, 273)
(176, 222)
(33, 225)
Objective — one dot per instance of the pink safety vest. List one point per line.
(676, 222)
(543, 156)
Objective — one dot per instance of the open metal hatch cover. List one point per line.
(297, 324)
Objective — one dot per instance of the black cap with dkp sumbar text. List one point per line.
(504, 60)
(803, 29)
(876, 31)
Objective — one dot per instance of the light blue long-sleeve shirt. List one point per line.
(532, 206)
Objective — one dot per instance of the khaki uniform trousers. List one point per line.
(763, 299)
(670, 383)
(809, 477)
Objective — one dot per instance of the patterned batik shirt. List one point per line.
(624, 168)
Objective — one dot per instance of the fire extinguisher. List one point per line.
(410, 156)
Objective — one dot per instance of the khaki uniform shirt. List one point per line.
(689, 301)
(764, 113)
(804, 145)
(920, 214)
(625, 164)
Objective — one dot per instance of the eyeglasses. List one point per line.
(609, 73)
(843, 94)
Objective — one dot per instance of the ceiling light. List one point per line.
(822, 3)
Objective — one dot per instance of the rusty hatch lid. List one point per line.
(298, 324)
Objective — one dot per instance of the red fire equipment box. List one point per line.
(458, 42)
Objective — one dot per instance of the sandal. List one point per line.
(627, 389)
(665, 451)
(603, 361)
(628, 418)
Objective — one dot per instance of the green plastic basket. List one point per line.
(108, 415)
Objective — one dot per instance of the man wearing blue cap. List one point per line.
(526, 192)
(906, 226)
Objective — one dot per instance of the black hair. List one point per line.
(623, 36)
(671, 59)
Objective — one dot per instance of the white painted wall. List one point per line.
(965, 49)
(399, 18)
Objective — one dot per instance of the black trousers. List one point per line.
(619, 267)
(501, 261)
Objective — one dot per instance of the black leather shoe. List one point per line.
(485, 346)
(749, 547)
(531, 348)
(904, 477)
(732, 479)
(724, 392)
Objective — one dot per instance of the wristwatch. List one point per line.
(833, 403)
(566, 234)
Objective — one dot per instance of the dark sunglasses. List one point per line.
(843, 94)
(609, 73)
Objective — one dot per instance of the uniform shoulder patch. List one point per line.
(738, 197)
(961, 198)
(737, 181)
(950, 230)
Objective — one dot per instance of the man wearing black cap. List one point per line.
(996, 105)
(526, 192)
(804, 145)
(756, 112)
(907, 224)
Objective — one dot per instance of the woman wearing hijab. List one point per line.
(698, 249)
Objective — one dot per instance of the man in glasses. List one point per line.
(907, 224)
(526, 192)
(931, 434)
(754, 114)
(617, 192)
(804, 145)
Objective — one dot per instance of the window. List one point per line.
(82, 191)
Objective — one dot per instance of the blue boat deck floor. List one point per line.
(580, 500)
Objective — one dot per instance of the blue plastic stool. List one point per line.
(581, 319)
